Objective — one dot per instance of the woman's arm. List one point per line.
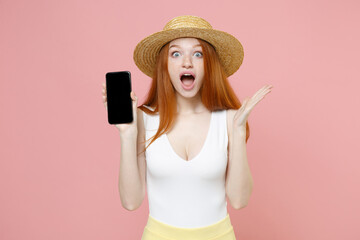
(239, 182)
(132, 167)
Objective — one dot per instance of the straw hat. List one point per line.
(229, 49)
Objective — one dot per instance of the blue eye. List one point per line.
(198, 54)
(175, 54)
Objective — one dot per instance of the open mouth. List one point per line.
(187, 79)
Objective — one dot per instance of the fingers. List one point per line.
(260, 94)
(134, 101)
(104, 96)
(266, 89)
(104, 89)
(263, 91)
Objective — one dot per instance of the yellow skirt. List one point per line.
(156, 230)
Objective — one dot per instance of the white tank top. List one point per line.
(182, 193)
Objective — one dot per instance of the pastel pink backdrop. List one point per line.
(60, 158)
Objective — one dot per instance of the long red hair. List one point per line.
(216, 92)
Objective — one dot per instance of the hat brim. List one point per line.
(228, 48)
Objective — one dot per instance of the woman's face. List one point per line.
(186, 66)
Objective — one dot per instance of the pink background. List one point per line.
(60, 158)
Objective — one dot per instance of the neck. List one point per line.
(189, 105)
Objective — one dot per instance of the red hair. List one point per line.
(216, 92)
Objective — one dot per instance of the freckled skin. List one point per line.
(190, 129)
(186, 56)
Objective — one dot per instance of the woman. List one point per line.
(187, 144)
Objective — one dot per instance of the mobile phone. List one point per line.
(119, 102)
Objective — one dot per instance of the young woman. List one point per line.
(187, 144)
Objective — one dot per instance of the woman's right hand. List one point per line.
(125, 128)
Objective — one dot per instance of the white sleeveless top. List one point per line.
(182, 193)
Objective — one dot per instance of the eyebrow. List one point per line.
(197, 45)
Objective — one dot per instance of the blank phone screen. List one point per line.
(119, 103)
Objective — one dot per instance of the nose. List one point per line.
(187, 61)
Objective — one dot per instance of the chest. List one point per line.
(189, 134)
(195, 148)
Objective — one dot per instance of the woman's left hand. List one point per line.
(248, 104)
